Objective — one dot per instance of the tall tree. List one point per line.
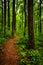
(8, 14)
(13, 19)
(30, 25)
(40, 17)
(25, 17)
(4, 17)
(22, 20)
(2, 14)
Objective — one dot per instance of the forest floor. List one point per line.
(10, 54)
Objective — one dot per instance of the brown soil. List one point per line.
(10, 54)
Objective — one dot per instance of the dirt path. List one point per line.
(10, 55)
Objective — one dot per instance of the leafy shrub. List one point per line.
(28, 57)
(22, 40)
(2, 40)
(23, 62)
(34, 56)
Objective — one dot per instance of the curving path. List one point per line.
(10, 54)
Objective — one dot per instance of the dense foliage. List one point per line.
(27, 56)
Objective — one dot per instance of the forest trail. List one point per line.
(10, 54)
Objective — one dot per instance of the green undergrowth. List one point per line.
(28, 57)
(3, 39)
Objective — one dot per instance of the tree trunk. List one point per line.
(30, 25)
(4, 17)
(22, 20)
(13, 19)
(40, 18)
(8, 14)
(25, 17)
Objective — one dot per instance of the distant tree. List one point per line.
(8, 14)
(22, 20)
(16, 5)
(4, 17)
(30, 25)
